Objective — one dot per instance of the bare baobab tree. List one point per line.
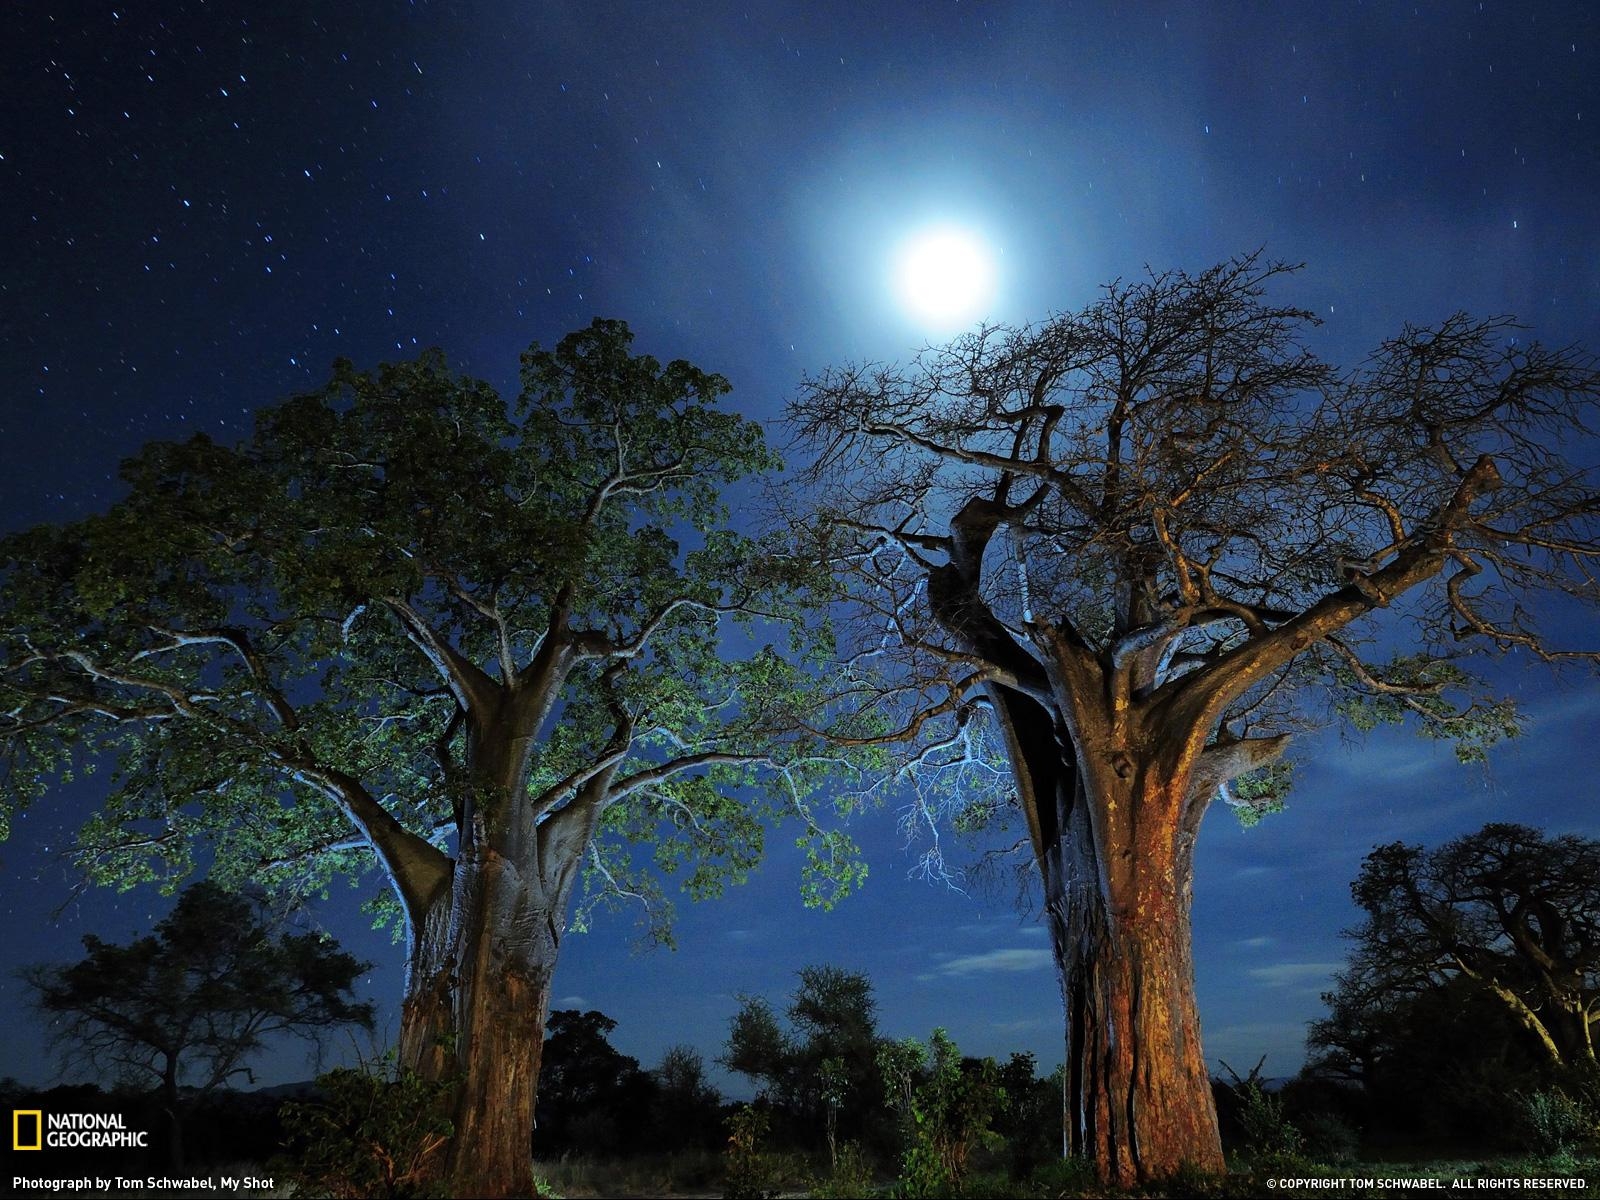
(1147, 542)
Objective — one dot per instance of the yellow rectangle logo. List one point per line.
(19, 1123)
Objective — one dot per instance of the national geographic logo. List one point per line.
(31, 1129)
(27, 1129)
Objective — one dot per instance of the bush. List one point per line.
(1073, 1176)
(748, 1173)
(1189, 1181)
(1552, 1122)
(379, 1133)
(951, 1111)
(1329, 1138)
(1271, 1141)
(850, 1178)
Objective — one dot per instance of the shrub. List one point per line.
(1329, 1138)
(946, 1116)
(374, 1132)
(1553, 1122)
(1270, 1139)
(850, 1178)
(1073, 1176)
(748, 1173)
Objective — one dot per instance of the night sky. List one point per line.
(204, 204)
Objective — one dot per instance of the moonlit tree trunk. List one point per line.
(1137, 1100)
(483, 956)
(477, 997)
(1143, 534)
(458, 628)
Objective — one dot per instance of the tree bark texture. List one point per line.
(477, 997)
(1114, 849)
(483, 955)
(1138, 1100)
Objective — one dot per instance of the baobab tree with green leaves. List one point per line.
(1146, 543)
(475, 646)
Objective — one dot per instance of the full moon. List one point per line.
(945, 276)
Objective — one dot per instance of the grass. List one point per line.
(578, 1177)
(700, 1174)
(1361, 1179)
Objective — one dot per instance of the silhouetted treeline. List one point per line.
(597, 1101)
(222, 1128)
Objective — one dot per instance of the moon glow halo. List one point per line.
(944, 276)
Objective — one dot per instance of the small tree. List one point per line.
(591, 1095)
(833, 1084)
(824, 1069)
(1028, 1123)
(948, 1105)
(189, 1006)
(687, 1107)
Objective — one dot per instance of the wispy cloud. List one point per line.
(1031, 958)
(1567, 706)
(1256, 943)
(1026, 1026)
(1289, 974)
(572, 1002)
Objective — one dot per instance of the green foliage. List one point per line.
(952, 1107)
(850, 1175)
(833, 1084)
(1031, 1120)
(1192, 1183)
(1261, 793)
(747, 1172)
(820, 1075)
(374, 1132)
(1552, 1121)
(1073, 1176)
(900, 1065)
(258, 632)
(1271, 1140)
(1435, 692)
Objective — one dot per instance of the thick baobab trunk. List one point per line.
(1137, 1100)
(484, 949)
(474, 1014)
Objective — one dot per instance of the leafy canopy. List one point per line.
(280, 643)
